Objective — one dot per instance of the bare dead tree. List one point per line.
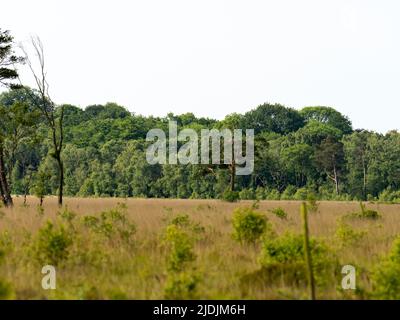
(48, 108)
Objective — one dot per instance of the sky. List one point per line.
(215, 57)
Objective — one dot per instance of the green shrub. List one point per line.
(181, 286)
(248, 225)
(261, 193)
(285, 254)
(183, 221)
(247, 194)
(347, 235)
(389, 195)
(230, 196)
(52, 244)
(289, 192)
(112, 224)
(180, 246)
(6, 291)
(365, 213)
(5, 288)
(273, 194)
(386, 276)
(301, 194)
(67, 214)
(312, 204)
(279, 212)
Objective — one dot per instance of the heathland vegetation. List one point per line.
(197, 249)
(123, 245)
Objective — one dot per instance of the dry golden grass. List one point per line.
(139, 272)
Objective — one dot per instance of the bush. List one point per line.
(183, 221)
(273, 194)
(285, 254)
(230, 196)
(181, 286)
(389, 195)
(301, 194)
(247, 194)
(261, 193)
(386, 276)
(312, 204)
(67, 215)
(289, 192)
(365, 213)
(248, 225)
(5, 288)
(52, 244)
(180, 246)
(112, 224)
(347, 235)
(279, 212)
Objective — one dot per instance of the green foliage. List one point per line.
(247, 194)
(386, 276)
(389, 195)
(248, 225)
(112, 224)
(301, 194)
(365, 213)
(286, 254)
(67, 214)
(8, 59)
(183, 221)
(230, 196)
(52, 244)
(5, 288)
(180, 247)
(181, 286)
(275, 118)
(312, 204)
(279, 212)
(347, 235)
(6, 291)
(329, 116)
(104, 155)
(273, 195)
(288, 193)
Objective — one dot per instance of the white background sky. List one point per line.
(214, 57)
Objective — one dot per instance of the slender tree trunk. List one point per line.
(365, 181)
(233, 174)
(2, 198)
(6, 195)
(336, 180)
(61, 179)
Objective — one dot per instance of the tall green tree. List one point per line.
(329, 156)
(8, 60)
(329, 116)
(357, 162)
(273, 118)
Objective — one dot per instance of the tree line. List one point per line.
(49, 149)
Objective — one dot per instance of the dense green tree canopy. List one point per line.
(274, 118)
(104, 154)
(329, 116)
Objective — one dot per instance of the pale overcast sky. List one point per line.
(214, 57)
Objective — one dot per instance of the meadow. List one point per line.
(124, 249)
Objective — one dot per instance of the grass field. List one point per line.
(123, 265)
